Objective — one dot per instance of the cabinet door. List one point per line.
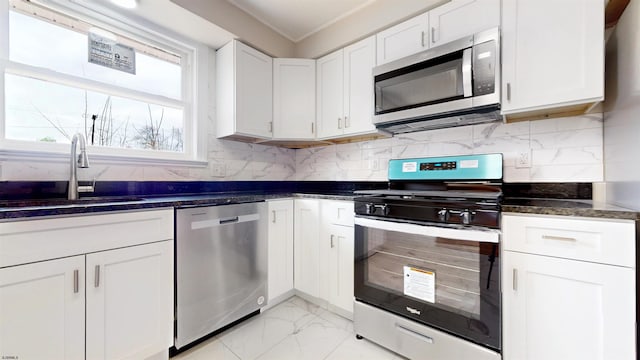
(42, 310)
(130, 301)
(403, 39)
(359, 60)
(254, 91)
(306, 246)
(460, 18)
(566, 309)
(280, 250)
(330, 98)
(552, 53)
(341, 267)
(294, 98)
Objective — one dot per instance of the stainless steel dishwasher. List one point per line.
(221, 267)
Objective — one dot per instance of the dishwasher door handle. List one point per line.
(229, 220)
(208, 223)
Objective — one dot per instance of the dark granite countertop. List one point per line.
(569, 207)
(28, 208)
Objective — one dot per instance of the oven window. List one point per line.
(412, 266)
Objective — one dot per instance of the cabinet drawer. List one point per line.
(338, 212)
(604, 241)
(43, 239)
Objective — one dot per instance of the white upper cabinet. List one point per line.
(552, 55)
(330, 94)
(294, 88)
(244, 92)
(460, 18)
(359, 61)
(404, 39)
(345, 90)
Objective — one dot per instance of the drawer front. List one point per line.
(338, 212)
(43, 239)
(604, 241)
(412, 339)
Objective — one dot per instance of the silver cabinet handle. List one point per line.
(559, 238)
(433, 35)
(271, 126)
(332, 244)
(515, 279)
(76, 281)
(313, 130)
(339, 123)
(347, 123)
(274, 216)
(96, 278)
(422, 38)
(508, 91)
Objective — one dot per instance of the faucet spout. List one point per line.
(76, 161)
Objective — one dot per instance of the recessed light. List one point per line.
(127, 4)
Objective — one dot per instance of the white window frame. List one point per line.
(195, 75)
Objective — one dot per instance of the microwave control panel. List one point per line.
(484, 68)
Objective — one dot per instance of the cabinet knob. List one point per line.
(339, 123)
(508, 91)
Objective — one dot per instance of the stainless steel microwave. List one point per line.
(454, 84)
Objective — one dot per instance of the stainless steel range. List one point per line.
(427, 259)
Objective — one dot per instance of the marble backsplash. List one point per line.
(561, 150)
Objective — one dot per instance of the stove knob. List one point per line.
(369, 209)
(466, 216)
(443, 215)
(385, 209)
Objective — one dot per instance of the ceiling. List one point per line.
(297, 19)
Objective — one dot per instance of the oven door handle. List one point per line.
(468, 234)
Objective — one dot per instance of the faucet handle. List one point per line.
(87, 188)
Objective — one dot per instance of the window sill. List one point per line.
(59, 157)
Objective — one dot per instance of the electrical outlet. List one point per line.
(218, 170)
(374, 164)
(523, 159)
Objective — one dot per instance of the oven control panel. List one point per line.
(448, 168)
(445, 165)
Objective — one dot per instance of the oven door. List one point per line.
(447, 278)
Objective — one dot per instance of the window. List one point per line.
(66, 70)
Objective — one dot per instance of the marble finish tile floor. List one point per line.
(294, 329)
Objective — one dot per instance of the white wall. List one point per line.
(622, 111)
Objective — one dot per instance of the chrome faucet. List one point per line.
(77, 161)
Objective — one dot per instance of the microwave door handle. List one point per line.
(466, 73)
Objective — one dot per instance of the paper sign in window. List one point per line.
(107, 52)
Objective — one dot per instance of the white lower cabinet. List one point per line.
(563, 307)
(280, 249)
(340, 271)
(42, 310)
(306, 255)
(122, 299)
(128, 298)
(324, 253)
